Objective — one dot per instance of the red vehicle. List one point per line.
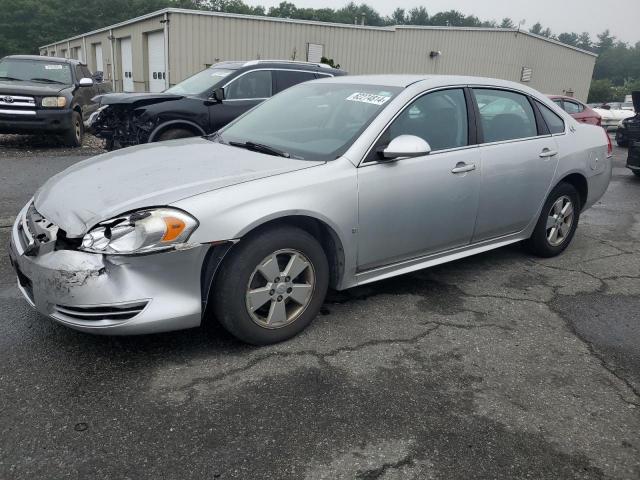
(578, 110)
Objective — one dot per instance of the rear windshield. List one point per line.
(35, 71)
(201, 83)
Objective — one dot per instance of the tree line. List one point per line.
(27, 24)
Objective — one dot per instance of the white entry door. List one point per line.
(127, 64)
(99, 64)
(157, 70)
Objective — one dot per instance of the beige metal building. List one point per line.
(159, 49)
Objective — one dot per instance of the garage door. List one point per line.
(99, 64)
(157, 71)
(127, 64)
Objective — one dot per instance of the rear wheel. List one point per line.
(73, 136)
(175, 133)
(272, 286)
(557, 223)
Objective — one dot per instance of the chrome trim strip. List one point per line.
(17, 112)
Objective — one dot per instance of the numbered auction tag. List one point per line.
(368, 98)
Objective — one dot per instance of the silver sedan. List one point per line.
(333, 183)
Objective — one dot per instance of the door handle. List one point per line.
(462, 167)
(548, 153)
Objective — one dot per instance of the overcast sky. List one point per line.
(622, 17)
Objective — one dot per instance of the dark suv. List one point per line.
(47, 95)
(199, 105)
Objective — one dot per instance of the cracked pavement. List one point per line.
(498, 366)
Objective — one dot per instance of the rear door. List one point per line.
(519, 158)
(241, 94)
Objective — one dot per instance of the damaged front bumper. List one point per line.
(109, 294)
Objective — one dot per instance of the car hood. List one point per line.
(30, 88)
(135, 98)
(150, 175)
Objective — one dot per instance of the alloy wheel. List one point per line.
(280, 288)
(560, 221)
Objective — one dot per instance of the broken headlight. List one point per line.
(143, 231)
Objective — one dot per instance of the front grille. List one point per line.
(105, 312)
(17, 105)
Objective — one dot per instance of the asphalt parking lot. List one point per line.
(498, 366)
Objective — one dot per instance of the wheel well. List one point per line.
(174, 126)
(322, 232)
(78, 109)
(580, 184)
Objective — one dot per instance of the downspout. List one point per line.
(113, 61)
(68, 49)
(84, 51)
(166, 50)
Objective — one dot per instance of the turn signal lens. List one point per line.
(175, 227)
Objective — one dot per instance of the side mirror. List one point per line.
(405, 146)
(218, 95)
(85, 82)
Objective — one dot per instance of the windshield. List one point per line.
(35, 71)
(201, 82)
(314, 121)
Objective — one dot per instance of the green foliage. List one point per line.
(600, 91)
(27, 24)
(330, 62)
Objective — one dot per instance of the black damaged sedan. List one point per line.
(199, 105)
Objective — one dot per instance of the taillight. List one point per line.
(609, 144)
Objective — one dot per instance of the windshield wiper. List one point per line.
(11, 78)
(259, 147)
(47, 80)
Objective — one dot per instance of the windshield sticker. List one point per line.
(53, 67)
(219, 74)
(368, 98)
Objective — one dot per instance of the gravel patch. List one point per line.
(49, 145)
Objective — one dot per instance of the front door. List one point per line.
(419, 206)
(518, 163)
(241, 94)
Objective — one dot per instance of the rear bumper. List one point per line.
(44, 121)
(112, 295)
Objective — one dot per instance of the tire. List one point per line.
(622, 143)
(73, 136)
(542, 242)
(636, 173)
(240, 312)
(175, 133)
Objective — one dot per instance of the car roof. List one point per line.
(44, 58)
(429, 81)
(285, 64)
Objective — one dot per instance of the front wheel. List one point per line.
(272, 285)
(73, 136)
(557, 223)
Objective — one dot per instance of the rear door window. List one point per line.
(289, 78)
(572, 107)
(257, 84)
(505, 115)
